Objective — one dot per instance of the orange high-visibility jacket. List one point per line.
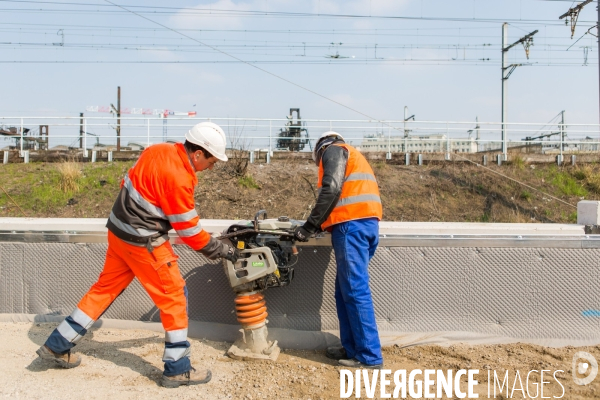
(157, 194)
(360, 193)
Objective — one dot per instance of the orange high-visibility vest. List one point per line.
(157, 194)
(360, 193)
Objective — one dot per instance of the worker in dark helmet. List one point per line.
(349, 207)
(157, 195)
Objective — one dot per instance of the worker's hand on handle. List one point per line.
(216, 249)
(302, 234)
(231, 253)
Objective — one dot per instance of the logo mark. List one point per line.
(258, 263)
(582, 367)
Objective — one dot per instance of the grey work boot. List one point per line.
(336, 353)
(190, 378)
(67, 360)
(354, 363)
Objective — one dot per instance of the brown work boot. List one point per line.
(190, 378)
(67, 360)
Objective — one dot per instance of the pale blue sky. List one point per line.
(451, 82)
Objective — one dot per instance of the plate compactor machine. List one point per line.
(267, 257)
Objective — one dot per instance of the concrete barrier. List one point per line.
(431, 282)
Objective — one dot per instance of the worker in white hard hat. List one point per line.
(157, 195)
(349, 207)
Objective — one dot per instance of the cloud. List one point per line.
(194, 74)
(211, 16)
(358, 7)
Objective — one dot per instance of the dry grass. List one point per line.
(589, 176)
(70, 174)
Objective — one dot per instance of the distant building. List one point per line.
(137, 146)
(418, 144)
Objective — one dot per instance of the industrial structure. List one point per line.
(32, 139)
(294, 137)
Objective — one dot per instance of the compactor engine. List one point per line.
(267, 257)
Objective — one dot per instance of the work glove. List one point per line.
(303, 233)
(230, 253)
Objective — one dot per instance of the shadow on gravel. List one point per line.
(89, 349)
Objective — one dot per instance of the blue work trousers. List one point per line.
(354, 243)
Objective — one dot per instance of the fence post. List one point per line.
(406, 158)
(26, 156)
(559, 160)
(388, 156)
(110, 156)
(21, 150)
(573, 159)
(270, 149)
(484, 160)
(85, 152)
(447, 144)
(94, 156)
(5, 158)
(420, 159)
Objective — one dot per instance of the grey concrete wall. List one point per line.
(520, 292)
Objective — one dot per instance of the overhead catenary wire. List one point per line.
(216, 12)
(237, 59)
(258, 68)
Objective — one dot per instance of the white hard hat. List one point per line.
(321, 138)
(209, 136)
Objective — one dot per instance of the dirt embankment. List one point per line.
(450, 192)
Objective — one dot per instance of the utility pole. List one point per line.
(504, 79)
(507, 71)
(573, 14)
(117, 111)
(81, 130)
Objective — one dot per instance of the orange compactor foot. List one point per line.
(268, 255)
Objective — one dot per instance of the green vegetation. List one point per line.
(379, 165)
(573, 217)
(566, 183)
(46, 188)
(525, 195)
(580, 174)
(248, 181)
(588, 177)
(518, 163)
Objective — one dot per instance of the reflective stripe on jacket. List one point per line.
(360, 193)
(157, 194)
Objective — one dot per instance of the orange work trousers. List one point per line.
(158, 273)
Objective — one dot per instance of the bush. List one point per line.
(248, 181)
(568, 185)
(525, 195)
(70, 174)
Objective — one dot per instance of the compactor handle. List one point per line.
(258, 214)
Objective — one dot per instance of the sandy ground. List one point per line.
(126, 364)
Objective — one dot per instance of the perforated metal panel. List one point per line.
(529, 293)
